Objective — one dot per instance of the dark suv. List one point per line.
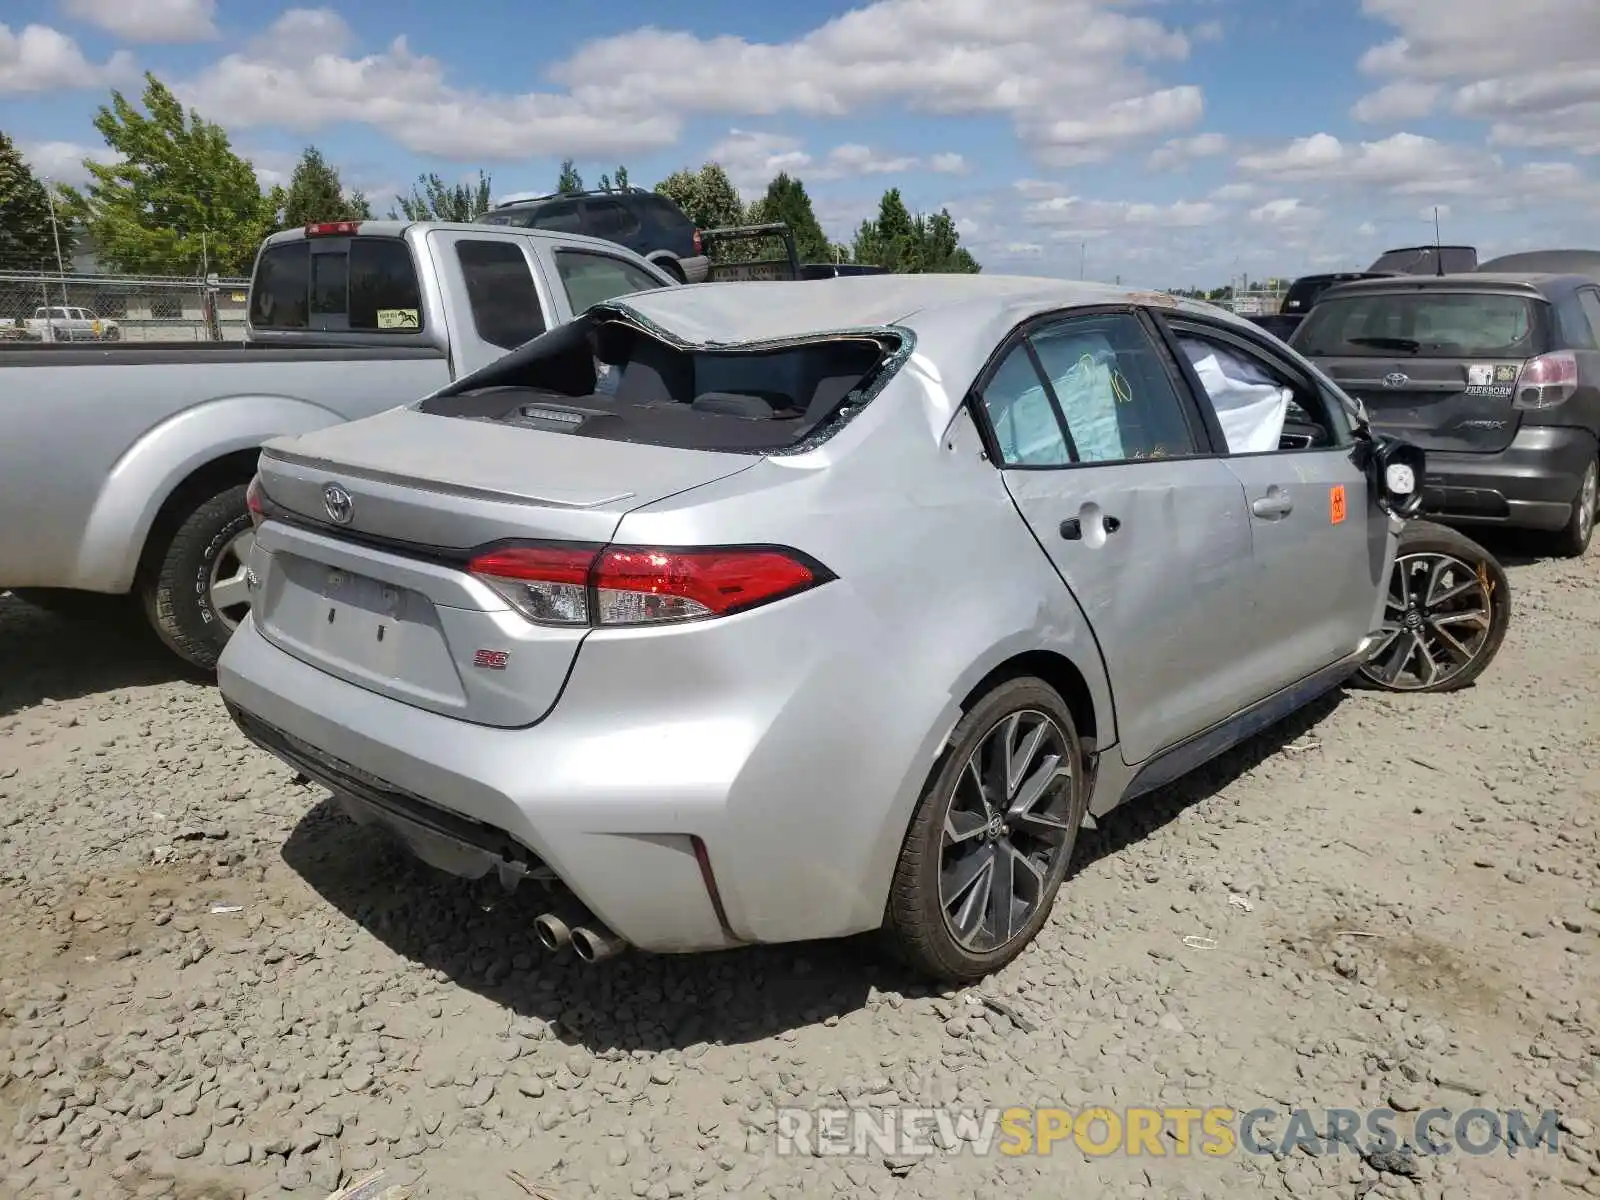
(647, 223)
(1494, 373)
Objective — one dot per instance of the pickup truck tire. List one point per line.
(177, 590)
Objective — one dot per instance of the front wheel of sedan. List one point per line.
(992, 836)
(1445, 615)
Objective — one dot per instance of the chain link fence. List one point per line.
(41, 307)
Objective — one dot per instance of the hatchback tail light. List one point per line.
(1547, 380)
(255, 501)
(640, 585)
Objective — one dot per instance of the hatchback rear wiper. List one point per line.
(1409, 345)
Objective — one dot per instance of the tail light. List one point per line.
(637, 585)
(1547, 380)
(332, 228)
(698, 248)
(255, 502)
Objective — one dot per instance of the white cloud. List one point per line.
(42, 59)
(1288, 210)
(1405, 163)
(1043, 62)
(751, 158)
(62, 162)
(299, 77)
(1236, 191)
(1178, 152)
(1403, 101)
(1529, 69)
(170, 21)
(1075, 215)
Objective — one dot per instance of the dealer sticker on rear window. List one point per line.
(398, 318)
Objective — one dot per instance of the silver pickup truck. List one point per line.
(123, 471)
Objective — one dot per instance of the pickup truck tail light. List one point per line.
(640, 585)
(1547, 381)
(333, 228)
(255, 502)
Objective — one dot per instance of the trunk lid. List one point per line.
(1433, 363)
(382, 599)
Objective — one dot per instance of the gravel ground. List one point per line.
(212, 985)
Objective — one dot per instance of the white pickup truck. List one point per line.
(123, 469)
(63, 323)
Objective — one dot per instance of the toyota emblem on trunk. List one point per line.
(1396, 379)
(339, 503)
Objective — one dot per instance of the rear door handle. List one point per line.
(1072, 527)
(1273, 504)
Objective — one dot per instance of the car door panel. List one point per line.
(1157, 550)
(1322, 544)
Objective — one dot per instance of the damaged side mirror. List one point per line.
(1395, 470)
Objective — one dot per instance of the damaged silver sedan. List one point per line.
(757, 612)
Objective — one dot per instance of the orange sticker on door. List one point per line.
(1336, 503)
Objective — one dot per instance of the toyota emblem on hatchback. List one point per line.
(1396, 379)
(340, 504)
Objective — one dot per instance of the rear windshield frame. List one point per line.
(1330, 308)
(498, 391)
(301, 255)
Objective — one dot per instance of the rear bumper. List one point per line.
(1531, 484)
(625, 785)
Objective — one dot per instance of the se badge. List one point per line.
(1336, 503)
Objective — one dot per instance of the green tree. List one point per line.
(433, 200)
(786, 201)
(27, 241)
(707, 196)
(315, 194)
(608, 183)
(180, 199)
(570, 180)
(912, 245)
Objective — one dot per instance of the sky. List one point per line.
(1169, 143)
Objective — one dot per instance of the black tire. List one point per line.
(672, 267)
(176, 589)
(915, 926)
(1572, 540)
(1427, 538)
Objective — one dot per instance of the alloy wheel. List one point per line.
(228, 586)
(1005, 830)
(1436, 622)
(1588, 494)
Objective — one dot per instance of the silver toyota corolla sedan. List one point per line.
(756, 612)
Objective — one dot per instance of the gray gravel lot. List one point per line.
(1402, 894)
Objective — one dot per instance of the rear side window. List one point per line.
(665, 212)
(592, 278)
(1424, 324)
(1589, 302)
(500, 291)
(611, 219)
(365, 285)
(562, 216)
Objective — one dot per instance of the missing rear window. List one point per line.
(610, 379)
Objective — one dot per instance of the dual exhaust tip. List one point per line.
(591, 945)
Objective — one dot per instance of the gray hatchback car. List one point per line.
(756, 612)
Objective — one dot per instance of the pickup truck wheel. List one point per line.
(1445, 614)
(195, 594)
